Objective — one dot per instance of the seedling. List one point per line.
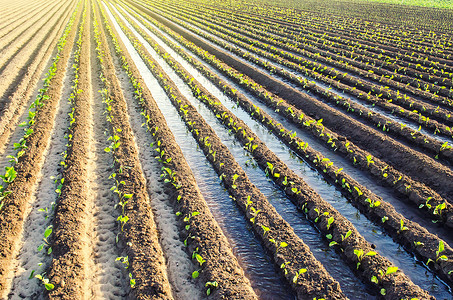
(124, 260)
(373, 203)
(300, 272)
(271, 169)
(254, 212)
(49, 286)
(391, 270)
(329, 222)
(123, 220)
(440, 249)
(427, 204)
(235, 177)
(47, 233)
(198, 257)
(439, 208)
(346, 235)
(402, 227)
(10, 175)
(360, 254)
(282, 245)
(369, 160)
(211, 285)
(265, 230)
(359, 192)
(131, 281)
(283, 266)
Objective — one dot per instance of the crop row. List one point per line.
(137, 227)
(69, 229)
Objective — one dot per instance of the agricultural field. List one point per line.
(236, 149)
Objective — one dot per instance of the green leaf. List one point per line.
(48, 232)
(441, 246)
(49, 286)
(443, 257)
(195, 274)
(199, 259)
(332, 243)
(391, 270)
(348, 234)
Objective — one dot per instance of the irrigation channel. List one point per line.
(140, 162)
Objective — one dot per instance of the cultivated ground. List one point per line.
(227, 150)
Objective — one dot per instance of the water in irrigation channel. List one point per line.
(371, 232)
(258, 266)
(411, 124)
(410, 212)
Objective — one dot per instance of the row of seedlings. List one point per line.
(47, 241)
(67, 272)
